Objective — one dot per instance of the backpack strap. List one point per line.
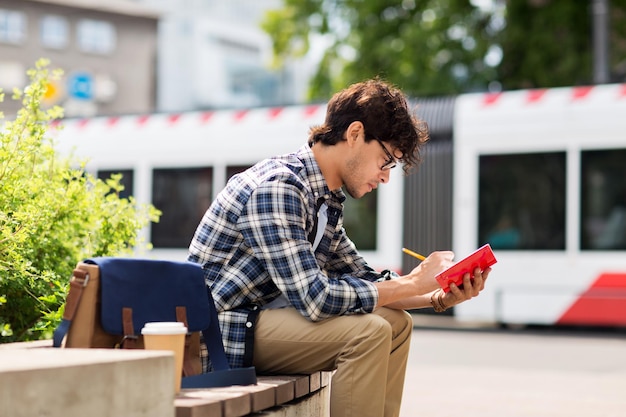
(222, 374)
(78, 282)
(191, 361)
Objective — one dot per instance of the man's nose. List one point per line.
(384, 178)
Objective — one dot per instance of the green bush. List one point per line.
(52, 215)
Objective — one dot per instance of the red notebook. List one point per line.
(482, 258)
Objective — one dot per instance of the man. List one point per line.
(292, 292)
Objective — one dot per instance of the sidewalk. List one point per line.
(478, 370)
(433, 321)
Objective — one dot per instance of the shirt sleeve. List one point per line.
(273, 224)
(345, 259)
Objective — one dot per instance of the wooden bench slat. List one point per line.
(233, 404)
(301, 383)
(303, 386)
(261, 396)
(197, 407)
(325, 378)
(284, 387)
(315, 381)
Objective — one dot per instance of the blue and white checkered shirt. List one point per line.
(253, 245)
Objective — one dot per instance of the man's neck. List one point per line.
(327, 159)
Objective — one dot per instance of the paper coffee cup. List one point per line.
(167, 336)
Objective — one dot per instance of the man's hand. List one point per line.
(471, 288)
(408, 291)
(424, 274)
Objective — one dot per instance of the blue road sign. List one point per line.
(80, 86)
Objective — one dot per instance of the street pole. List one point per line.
(600, 11)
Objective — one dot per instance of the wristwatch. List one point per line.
(388, 274)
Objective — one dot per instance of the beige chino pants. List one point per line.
(368, 351)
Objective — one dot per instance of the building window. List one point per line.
(182, 195)
(521, 201)
(12, 26)
(603, 199)
(126, 181)
(96, 36)
(12, 74)
(54, 32)
(235, 169)
(359, 220)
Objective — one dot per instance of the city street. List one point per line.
(458, 371)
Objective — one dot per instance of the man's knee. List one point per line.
(370, 327)
(399, 320)
(384, 323)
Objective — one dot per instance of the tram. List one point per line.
(538, 174)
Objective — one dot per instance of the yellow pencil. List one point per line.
(413, 254)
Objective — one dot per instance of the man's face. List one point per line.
(369, 165)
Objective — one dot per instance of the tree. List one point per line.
(543, 39)
(52, 215)
(440, 47)
(548, 43)
(426, 47)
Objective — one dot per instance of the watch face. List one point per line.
(387, 275)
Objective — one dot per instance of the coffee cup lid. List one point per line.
(164, 327)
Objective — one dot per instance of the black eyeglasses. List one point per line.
(390, 162)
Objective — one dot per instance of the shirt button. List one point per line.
(249, 324)
(255, 308)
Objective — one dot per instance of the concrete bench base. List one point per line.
(86, 382)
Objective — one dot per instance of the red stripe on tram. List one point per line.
(602, 304)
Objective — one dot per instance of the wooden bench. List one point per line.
(272, 396)
(283, 395)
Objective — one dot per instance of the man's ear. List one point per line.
(354, 130)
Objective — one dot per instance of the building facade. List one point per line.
(213, 54)
(142, 56)
(107, 51)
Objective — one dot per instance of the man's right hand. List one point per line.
(409, 288)
(424, 274)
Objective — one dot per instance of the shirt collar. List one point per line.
(315, 177)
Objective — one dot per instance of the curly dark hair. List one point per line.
(384, 112)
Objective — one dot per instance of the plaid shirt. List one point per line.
(253, 245)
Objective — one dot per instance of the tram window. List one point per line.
(521, 202)
(126, 181)
(603, 199)
(360, 220)
(183, 196)
(235, 169)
